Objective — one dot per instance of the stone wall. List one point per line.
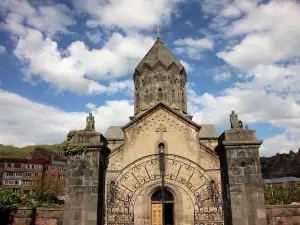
(283, 214)
(39, 216)
(276, 215)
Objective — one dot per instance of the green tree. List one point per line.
(9, 200)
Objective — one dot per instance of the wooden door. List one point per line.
(157, 214)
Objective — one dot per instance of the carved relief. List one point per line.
(81, 165)
(243, 162)
(202, 186)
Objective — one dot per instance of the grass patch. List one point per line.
(9, 151)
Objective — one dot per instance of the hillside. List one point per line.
(9, 151)
(281, 165)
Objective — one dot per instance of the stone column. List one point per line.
(243, 194)
(85, 181)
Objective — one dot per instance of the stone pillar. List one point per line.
(243, 194)
(85, 181)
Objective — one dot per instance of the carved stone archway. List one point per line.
(204, 192)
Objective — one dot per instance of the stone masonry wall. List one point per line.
(276, 215)
(283, 214)
(38, 216)
(82, 189)
(241, 178)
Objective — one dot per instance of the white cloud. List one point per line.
(253, 106)
(94, 37)
(193, 47)
(78, 70)
(128, 15)
(282, 80)
(90, 106)
(46, 18)
(281, 143)
(218, 77)
(202, 43)
(272, 35)
(126, 86)
(189, 23)
(23, 122)
(2, 49)
(261, 39)
(231, 11)
(221, 13)
(188, 67)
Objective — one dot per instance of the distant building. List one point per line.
(55, 176)
(25, 175)
(281, 181)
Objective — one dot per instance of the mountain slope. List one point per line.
(9, 151)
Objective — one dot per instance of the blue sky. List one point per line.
(61, 59)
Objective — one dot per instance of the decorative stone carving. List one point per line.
(81, 165)
(243, 162)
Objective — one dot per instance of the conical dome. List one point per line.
(159, 52)
(159, 77)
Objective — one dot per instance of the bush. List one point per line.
(9, 200)
(42, 198)
(284, 194)
(72, 150)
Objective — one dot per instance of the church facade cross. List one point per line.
(161, 129)
(234, 120)
(158, 30)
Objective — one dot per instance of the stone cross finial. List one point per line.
(234, 120)
(158, 30)
(161, 129)
(90, 122)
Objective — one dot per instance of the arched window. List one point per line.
(157, 195)
(173, 97)
(183, 100)
(160, 95)
(161, 147)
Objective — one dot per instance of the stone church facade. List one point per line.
(192, 168)
(162, 168)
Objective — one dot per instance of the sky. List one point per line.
(60, 60)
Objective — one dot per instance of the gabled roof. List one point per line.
(114, 133)
(162, 105)
(159, 53)
(208, 131)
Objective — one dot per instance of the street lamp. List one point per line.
(161, 150)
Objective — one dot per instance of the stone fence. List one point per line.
(283, 214)
(38, 216)
(276, 215)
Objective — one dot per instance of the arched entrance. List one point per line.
(124, 187)
(157, 208)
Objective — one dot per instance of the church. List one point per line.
(162, 167)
